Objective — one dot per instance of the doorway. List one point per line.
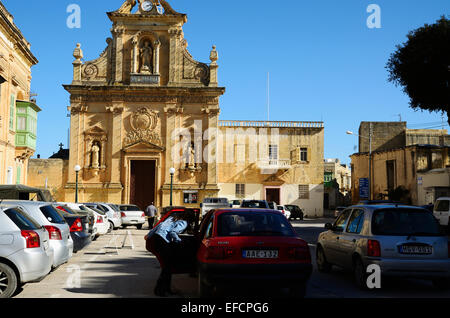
(142, 183)
(273, 195)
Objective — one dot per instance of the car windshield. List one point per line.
(254, 204)
(129, 208)
(402, 222)
(114, 207)
(23, 221)
(52, 214)
(253, 224)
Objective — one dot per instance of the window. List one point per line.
(391, 174)
(303, 154)
(52, 214)
(21, 219)
(356, 222)
(190, 197)
(240, 190)
(303, 191)
(442, 206)
(209, 229)
(273, 152)
(341, 220)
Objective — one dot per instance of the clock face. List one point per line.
(147, 6)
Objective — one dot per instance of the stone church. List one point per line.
(146, 105)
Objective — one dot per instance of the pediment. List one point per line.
(95, 131)
(143, 146)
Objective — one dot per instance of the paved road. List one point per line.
(117, 265)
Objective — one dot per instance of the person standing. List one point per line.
(150, 212)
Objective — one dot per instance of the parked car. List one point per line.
(47, 215)
(442, 211)
(338, 210)
(79, 227)
(272, 205)
(251, 247)
(284, 211)
(235, 203)
(90, 217)
(403, 240)
(25, 252)
(255, 204)
(132, 215)
(209, 204)
(101, 225)
(296, 212)
(111, 210)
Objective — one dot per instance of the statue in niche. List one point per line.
(95, 155)
(146, 58)
(192, 156)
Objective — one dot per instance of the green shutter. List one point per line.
(19, 174)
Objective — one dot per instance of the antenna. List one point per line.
(268, 96)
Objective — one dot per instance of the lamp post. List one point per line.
(370, 156)
(172, 172)
(77, 170)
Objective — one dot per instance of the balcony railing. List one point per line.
(274, 163)
(271, 124)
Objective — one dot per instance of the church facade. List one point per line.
(146, 106)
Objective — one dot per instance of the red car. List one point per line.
(251, 247)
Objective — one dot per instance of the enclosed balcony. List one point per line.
(26, 124)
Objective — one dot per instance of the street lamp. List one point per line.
(77, 170)
(172, 172)
(370, 155)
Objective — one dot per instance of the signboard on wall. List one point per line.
(364, 188)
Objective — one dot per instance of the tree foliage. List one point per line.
(422, 67)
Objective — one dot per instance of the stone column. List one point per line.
(116, 141)
(157, 46)
(212, 114)
(135, 62)
(118, 36)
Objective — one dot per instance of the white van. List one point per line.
(442, 210)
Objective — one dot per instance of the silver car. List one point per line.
(404, 241)
(25, 253)
(59, 232)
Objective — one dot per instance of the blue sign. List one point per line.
(364, 188)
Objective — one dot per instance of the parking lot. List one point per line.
(117, 265)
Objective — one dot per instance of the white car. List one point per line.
(132, 215)
(441, 210)
(101, 224)
(111, 210)
(25, 252)
(285, 211)
(46, 215)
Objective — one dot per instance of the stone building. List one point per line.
(18, 113)
(146, 105)
(337, 183)
(399, 158)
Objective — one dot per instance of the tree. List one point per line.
(422, 67)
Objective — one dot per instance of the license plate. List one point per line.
(260, 254)
(416, 249)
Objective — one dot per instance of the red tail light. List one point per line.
(122, 214)
(373, 248)
(32, 239)
(99, 219)
(77, 226)
(53, 232)
(219, 252)
(299, 253)
(143, 215)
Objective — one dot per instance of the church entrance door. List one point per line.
(142, 182)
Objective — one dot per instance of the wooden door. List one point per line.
(142, 183)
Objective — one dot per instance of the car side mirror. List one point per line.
(328, 226)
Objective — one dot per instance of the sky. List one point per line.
(324, 62)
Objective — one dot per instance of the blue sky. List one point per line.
(325, 64)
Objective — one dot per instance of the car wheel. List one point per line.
(8, 281)
(441, 284)
(111, 227)
(204, 289)
(298, 291)
(360, 274)
(322, 264)
(139, 226)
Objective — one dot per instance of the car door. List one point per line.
(331, 241)
(349, 238)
